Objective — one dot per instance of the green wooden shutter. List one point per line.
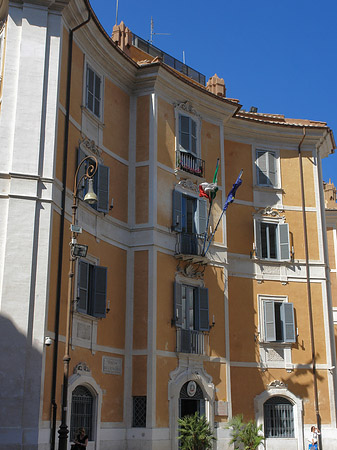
(82, 187)
(178, 305)
(202, 309)
(177, 204)
(269, 321)
(288, 322)
(271, 168)
(201, 216)
(283, 231)
(83, 286)
(261, 167)
(99, 291)
(102, 193)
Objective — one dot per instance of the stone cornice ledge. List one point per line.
(54, 5)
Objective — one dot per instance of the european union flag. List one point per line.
(232, 192)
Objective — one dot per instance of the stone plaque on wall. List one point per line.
(221, 408)
(111, 365)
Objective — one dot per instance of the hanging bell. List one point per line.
(90, 197)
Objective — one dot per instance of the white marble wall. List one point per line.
(27, 155)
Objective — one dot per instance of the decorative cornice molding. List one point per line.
(187, 107)
(81, 369)
(189, 185)
(90, 146)
(277, 384)
(271, 212)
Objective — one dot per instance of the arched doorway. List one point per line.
(191, 400)
(82, 409)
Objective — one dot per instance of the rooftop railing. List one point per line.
(168, 59)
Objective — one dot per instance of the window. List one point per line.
(93, 92)
(272, 240)
(101, 183)
(81, 412)
(187, 134)
(191, 316)
(278, 418)
(189, 219)
(266, 168)
(139, 412)
(278, 324)
(92, 287)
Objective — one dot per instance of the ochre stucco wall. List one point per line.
(166, 134)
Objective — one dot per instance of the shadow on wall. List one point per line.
(20, 386)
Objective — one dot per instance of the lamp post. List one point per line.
(76, 251)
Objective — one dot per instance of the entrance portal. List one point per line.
(191, 400)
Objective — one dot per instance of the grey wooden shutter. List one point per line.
(83, 286)
(271, 168)
(202, 309)
(269, 321)
(99, 291)
(177, 205)
(261, 166)
(82, 186)
(178, 305)
(201, 219)
(102, 176)
(283, 230)
(258, 247)
(288, 322)
(185, 341)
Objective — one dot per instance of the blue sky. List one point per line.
(280, 56)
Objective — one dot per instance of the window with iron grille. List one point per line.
(278, 418)
(82, 403)
(139, 412)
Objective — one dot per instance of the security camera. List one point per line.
(48, 341)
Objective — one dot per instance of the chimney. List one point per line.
(122, 36)
(217, 86)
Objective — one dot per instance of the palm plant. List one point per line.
(195, 433)
(246, 436)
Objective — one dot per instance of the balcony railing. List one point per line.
(190, 163)
(189, 244)
(192, 341)
(168, 59)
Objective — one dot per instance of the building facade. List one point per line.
(164, 322)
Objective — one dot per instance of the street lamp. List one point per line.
(76, 251)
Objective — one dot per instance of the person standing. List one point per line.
(81, 440)
(314, 432)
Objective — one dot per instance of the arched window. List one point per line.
(278, 418)
(81, 412)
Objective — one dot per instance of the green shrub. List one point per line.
(246, 436)
(195, 433)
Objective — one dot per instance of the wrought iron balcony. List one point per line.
(190, 163)
(192, 341)
(189, 244)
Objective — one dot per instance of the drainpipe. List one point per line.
(311, 325)
(61, 234)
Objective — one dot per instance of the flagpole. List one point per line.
(228, 201)
(205, 237)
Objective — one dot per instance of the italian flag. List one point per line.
(209, 190)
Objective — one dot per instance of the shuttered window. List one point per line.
(92, 288)
(93, 93)
(101, 183)
(191, 307)
(266, 172)
(187, 134)
(279, 321)
(189, 214)
(272, 240)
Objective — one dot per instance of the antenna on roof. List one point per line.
(116, 12)
(154, 34)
